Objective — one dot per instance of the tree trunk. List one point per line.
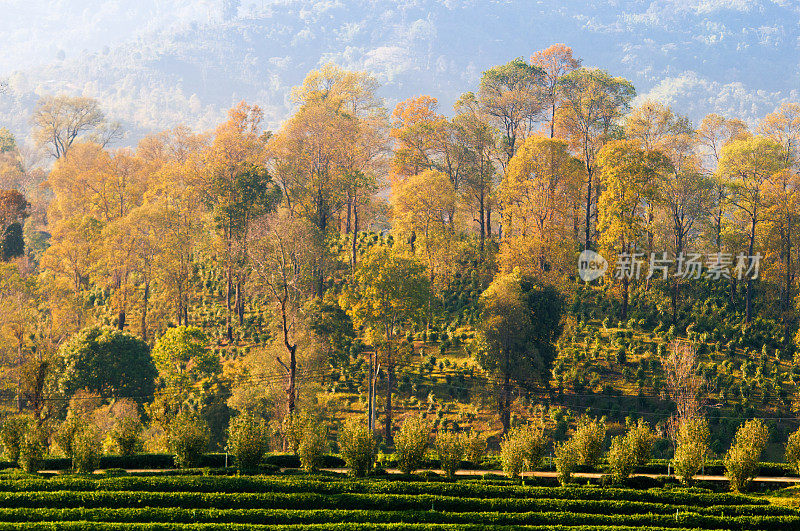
(788, 317)
(240, 301)
(228, 294)
(290, 389)
(355, 236)
(348, 226)
(389, 388)
(145, 300)
(121, 319)
(370, 396)
(749, 288)
(19, 376)
(625, 282)
(482, 221)
(505, 401)
(588, 237)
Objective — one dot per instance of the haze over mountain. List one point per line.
(154, 66)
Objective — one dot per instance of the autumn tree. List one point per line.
(239, 189)
(682, 192)
(170, 222)
(747, 165)
(60, 121)
(685, 385)
(283, 252)
(592, 102)
(12, 171)
(783, 126)
(424, 209)
(92, 190)
(414, 126)
(520, 322)
(555, 62)
(19, 319)
(714, 133)
(512, 96)
(386, 294)
(475, 138)
(327, 142)
(627, 173)
(539, 193)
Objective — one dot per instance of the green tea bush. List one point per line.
(449, 448)
(793, 450)
(188, 438)
(87, 450)
(411, 443)
(313, 446)
(621, 457)
(641, 438)
(32, 449)
(523, 449)
(248, 440)
(65, 434)
(742, 459)
(12, 434)
(588, 440)
(692, 449)
(474, 448)
(566, 457)
(127, 436)
(358, 448)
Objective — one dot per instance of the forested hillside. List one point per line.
(548, 248)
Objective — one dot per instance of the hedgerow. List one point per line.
(322, 516)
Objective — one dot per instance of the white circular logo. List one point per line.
(591, 266)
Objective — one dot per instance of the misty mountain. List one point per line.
(154, 67)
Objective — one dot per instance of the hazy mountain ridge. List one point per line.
(184, 66)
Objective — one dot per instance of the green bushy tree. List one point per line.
(127, 435)
(793, 450)
(65, 435)
(641, 438)
(313, 446)
(621, 457)
(630, 450)
(523, 449)
(32, 448)
(474, 448)
(742, 459)
(87, 449)
(449, 448)
(566, 457)
(248, 440)
(412, 442)
(187, 438)
(12, 434)
(588, 440)
(358, 448)
(692, 448)
(107, 361)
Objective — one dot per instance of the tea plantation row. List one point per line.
(336, 503)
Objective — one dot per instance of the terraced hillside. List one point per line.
(326, 502)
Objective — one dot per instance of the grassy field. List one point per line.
(330, 502)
